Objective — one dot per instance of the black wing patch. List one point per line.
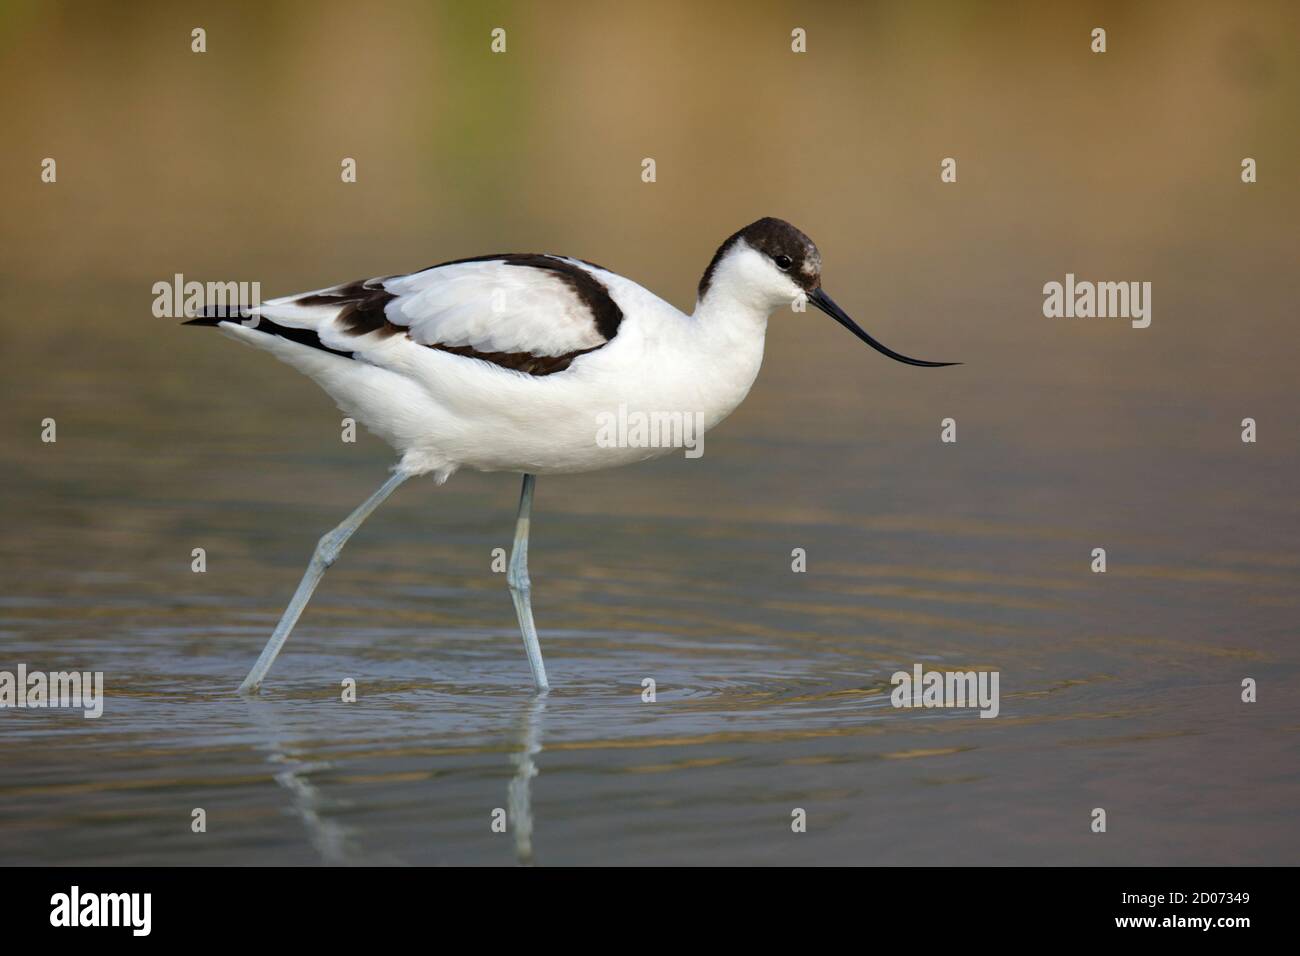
(363, 310)
(363, 304)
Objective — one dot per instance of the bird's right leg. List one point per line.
(521, 588)
(327, 551)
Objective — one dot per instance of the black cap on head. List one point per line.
(790, 249)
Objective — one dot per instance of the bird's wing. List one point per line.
(533, 313)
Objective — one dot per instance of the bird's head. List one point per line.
(770, 263)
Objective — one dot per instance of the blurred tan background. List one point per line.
(1117, 166)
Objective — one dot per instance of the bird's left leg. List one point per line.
(327, 550)
(521, 586)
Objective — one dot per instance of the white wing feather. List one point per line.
(489, 306)
(493, 307)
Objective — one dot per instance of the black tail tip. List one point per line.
(216, 314)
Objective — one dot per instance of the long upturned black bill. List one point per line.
(827, 305)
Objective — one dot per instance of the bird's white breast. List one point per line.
(661, 365)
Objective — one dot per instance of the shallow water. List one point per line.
(1118, 690)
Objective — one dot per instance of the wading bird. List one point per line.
(509, 362)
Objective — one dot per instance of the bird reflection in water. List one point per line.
(519, 797)
(329, 838)
(334, 842)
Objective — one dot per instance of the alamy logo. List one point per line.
(27, 689)
(651, 430)
(103, 909)
(178, 298)
(947, 689)
(1103, 300)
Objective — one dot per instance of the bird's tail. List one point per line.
(216, 314)
(255, 319)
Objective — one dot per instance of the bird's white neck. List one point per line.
(731, 306)
(725, 318)
(725, 342)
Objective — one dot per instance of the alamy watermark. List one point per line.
(37, 689)
(658, 429)
(923, 688)
(75, 908)
(1103, 300)
(179, 298)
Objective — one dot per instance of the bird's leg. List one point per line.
(521, 587)
(327, 551)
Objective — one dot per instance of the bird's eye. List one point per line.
(783, 263)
